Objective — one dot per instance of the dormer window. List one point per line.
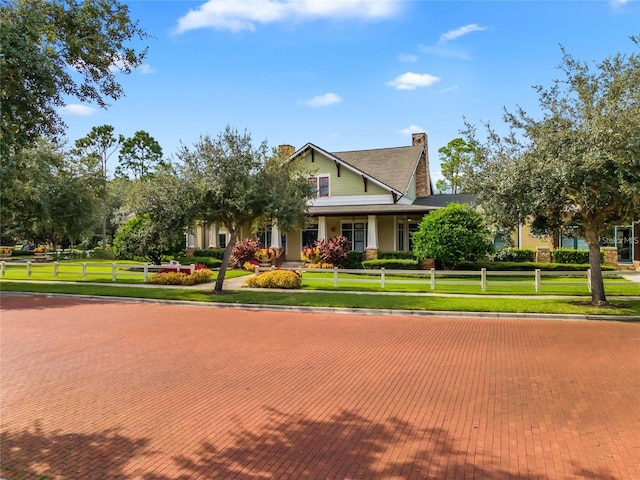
(319, 186)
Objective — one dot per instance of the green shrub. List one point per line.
(354, 259)
(396, 255)
(275, 279)
(391, 264)
(569, 255)
(215, 253)
(525, 266)
(209, 262)
(509, 254)
(103, 253)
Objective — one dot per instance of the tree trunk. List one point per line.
(104, 218)
(225, 260)
(597, 283)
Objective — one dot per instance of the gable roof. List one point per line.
(391, 168)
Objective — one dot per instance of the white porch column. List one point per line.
(322, 228)
(191, 240)
(275, 236)
(213, 235)
(372, 235)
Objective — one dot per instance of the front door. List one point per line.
(624, 242)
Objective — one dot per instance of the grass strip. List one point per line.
(340, 300)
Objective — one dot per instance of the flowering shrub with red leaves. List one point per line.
(245, 250)
(334, 251)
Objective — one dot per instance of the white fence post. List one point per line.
(382, 277)
(335, 276)
(2, 268)
(84, 271)
(537, 281)
(433, 279)
(113, 272)
(55, 270)
(192, 269)
(28, 269)
(589, 279)
(146, 272)
(483, 280)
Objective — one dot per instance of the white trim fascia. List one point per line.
(352, 200)
(347, 165)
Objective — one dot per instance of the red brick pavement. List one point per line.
(102, 390)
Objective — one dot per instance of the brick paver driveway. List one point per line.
(104, 390)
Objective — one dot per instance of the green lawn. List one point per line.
(97, 270)
(339, 300)
(496, 285)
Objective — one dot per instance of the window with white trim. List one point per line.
(319, 186)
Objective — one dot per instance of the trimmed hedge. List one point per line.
(526, 266)
(569, 255)
(209, 262)
(396, 255)
(275, 279)
(354, 259)
(391, 264)
(215, 253)
(509, 254)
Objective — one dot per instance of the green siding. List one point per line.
(348, 184)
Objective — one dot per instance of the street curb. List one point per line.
(337, 310)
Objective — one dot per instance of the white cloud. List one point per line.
(408, 58)
(145, 69)
(77, 110)
(459, 32)
(411, 130)
(619, 3)
(118, 65)
(322, 100)
(411, 81)
(444, 51)
(241, 15)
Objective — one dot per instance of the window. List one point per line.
(413, 228)
(310, 235)
(319, 186)
(400, 236)
(222, 240)
(356, 234)
(264, 237)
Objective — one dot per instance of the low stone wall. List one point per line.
(543, 255)
(610, 256)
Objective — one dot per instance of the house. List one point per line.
(376, 199)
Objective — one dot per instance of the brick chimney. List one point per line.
(419, 139)
(286, 150)
(423, 177)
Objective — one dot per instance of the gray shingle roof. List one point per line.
(444, 199)
(392, 166)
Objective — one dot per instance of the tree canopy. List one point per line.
(457, 159)
(578, 167)
(139, 155)
(241, 184)
(52, 52)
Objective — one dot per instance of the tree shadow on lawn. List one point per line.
(36, 454)
(346, 445)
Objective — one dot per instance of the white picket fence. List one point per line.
(116, 271)
(449, 277)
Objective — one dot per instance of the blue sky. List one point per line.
(348, 74)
